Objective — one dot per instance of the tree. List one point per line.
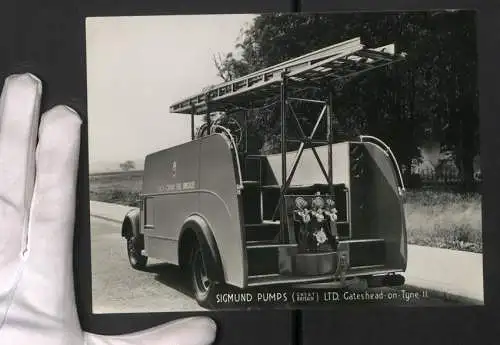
(431, 96)
(460, 92)
(360, 106)
(127, 165)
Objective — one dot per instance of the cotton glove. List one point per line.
(37, 203)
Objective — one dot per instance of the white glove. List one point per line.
(37, 204)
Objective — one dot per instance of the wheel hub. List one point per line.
(200, 272)
(131, 249)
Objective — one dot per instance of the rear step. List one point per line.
(265, 279)
(267, 245)
(273, 279)
(363, 240)
(251, 243)
(264, 223)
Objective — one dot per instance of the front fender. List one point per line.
(131, 223)
(205, 237)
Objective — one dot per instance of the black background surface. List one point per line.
(47, 38)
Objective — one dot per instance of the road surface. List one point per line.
(117, 288)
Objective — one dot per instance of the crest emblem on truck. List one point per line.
(174, 168)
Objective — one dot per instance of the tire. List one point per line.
(203, 286)
(134, 247)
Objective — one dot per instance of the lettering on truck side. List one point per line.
(177, 187)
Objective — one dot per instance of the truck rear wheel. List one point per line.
(203, 286)
(134, 247)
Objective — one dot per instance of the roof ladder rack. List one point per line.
(336, 61)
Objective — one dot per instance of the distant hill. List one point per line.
(110, 166)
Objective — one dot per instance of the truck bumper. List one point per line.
(373, 277)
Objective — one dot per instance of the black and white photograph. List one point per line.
(253, 161)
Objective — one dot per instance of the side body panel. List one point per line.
(194, 178)
(220, 205)
(386, 208)
(167, 202)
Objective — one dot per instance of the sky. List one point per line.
(138, 66)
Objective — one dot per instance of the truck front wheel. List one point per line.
(203, 286)
(135, 245)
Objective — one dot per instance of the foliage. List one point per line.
(444, 220)
(127, 166)
(431, 96)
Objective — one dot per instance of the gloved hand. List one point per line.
(37, 202)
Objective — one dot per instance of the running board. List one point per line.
(367, 267)
(363, 240)
(264, 223)
(254, 245)
(275, 279)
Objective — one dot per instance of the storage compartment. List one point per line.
(262, 261)
(270, 199)
(251, 205)
(343, 230)
(251, 168)
(264, 232)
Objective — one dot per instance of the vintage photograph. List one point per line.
(284, 161)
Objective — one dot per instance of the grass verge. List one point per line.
(444, 220)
